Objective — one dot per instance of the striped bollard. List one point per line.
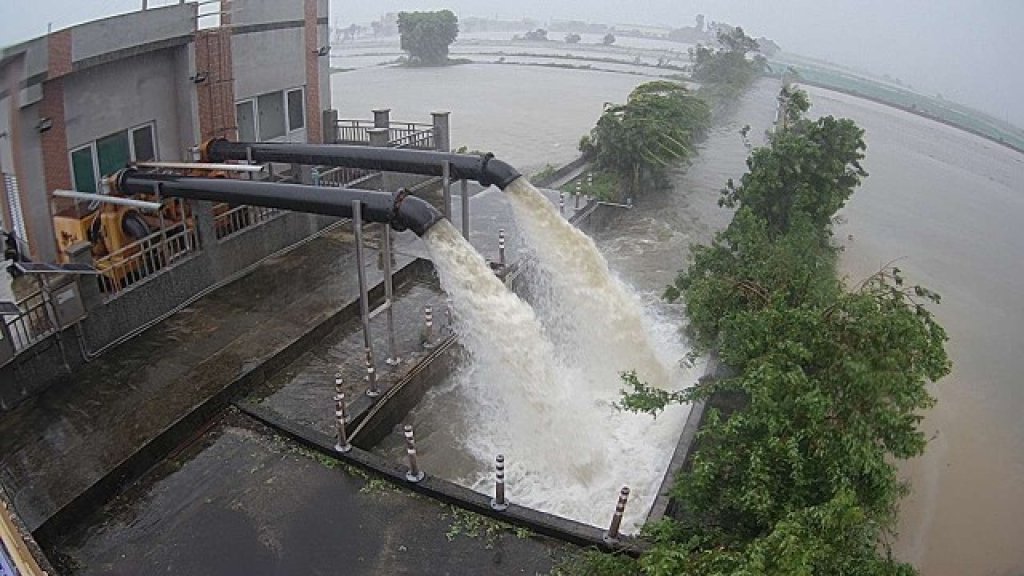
(501, 246)
(561, 203)
(342, 444)
(414, 474)
(612, 535)
(428, 327)
(590, 181)
(339, 395)
(578, 194)
(498, 502)
(371, 375)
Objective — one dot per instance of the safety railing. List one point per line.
(400, 134)
(418, 139)
(34, 323)
(235, 219)
(340, 176)
(145, 258)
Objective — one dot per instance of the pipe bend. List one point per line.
(497, 172)
(413, 213)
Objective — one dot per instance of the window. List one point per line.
(271, 115)
(110, 154)
(296, 110)
(270, 111)
(246, 116)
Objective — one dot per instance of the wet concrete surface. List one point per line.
(303, 392)
(57, 445)
(245, 501)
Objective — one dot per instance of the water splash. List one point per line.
(607, 323)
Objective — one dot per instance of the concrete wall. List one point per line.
(268, 61)
(125, 94)
(129, 31)
(255, 12)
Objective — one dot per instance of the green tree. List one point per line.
(727, 72)
(801, 479)
(657, 126)
(572, 38)
(608, 39)
(426, 36)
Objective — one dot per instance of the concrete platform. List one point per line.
(242, 500)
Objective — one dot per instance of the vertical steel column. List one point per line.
(465, 208)
(446, 185)
(364, 297)
(389, 294)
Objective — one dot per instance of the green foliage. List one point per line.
(572, 38)
(608, 39)
(595, 563)
(657, 126)
(427, 35)
(802, 479)
(727, 72)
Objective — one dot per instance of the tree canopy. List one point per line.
(426, 36)
(658, 125)
(725, 73)
(801, 477)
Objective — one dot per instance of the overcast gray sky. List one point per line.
(970, 51)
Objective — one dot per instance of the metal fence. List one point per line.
(145, 258)
(34, 323)
(341, 177)
(239, 218)
(400, 134)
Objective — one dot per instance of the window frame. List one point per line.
(289, 130)
(94, 152)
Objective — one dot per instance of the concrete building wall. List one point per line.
(118, 96)
(268, 61)
(129, 31)
(256, 12)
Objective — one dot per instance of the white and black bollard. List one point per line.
(498, 502)
(414, 474)
(428, 327)
(371, 375)
(340, 396)
(342, 444)
(590, 182)
(578, 194)
(501, 246)
(561, 203)
(612, 535)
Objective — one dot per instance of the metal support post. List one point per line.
(498, 502)
(414, 474)
(501, 246)
(464, 184)
(428, 327)
(389, 295)
(342, 445)
(446, 185)
(339, 395)
(364, 298)
(561, 203)
(612, 535)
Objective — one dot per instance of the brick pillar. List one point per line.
(314, 131)
(215, 95)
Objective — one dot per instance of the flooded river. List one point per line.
(943, 201)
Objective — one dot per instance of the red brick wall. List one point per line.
(314, 132)
(216, 95)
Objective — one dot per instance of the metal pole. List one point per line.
(465, 208)
(501, 246)
(342, 445)
(389, 295)
(338, 394)
(428, 327)
(446, 184)
(414, 474)
(561, 203)
(364, 298)
(498, 502)
(612, 535)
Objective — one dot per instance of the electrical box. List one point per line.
(67, 300)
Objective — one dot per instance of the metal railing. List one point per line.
(145, 258)
(34, 323)
(239, 218)
(341, 177)
(418, 139)
(400, 134)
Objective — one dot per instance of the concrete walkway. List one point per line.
(57, 445)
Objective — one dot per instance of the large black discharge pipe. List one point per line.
(400, 210)
(485, 169)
